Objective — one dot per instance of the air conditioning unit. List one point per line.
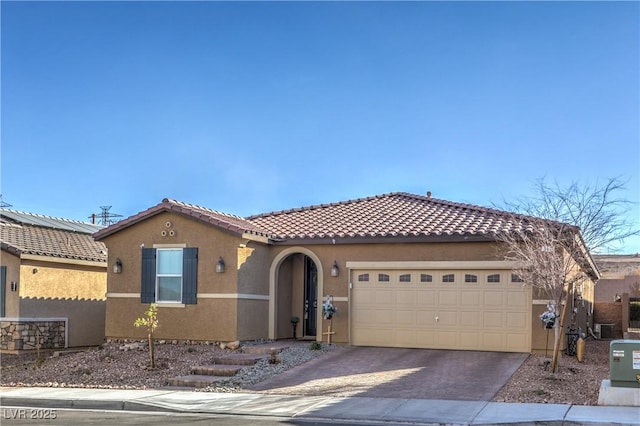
(606, 331)
(596, 330)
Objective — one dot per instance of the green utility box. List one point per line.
(624, 363)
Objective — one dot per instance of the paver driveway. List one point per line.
(399, 373)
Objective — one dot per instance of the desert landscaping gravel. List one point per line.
(114, 366)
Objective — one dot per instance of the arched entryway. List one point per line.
(295, 290)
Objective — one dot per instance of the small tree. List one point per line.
(562, 225)
(150, 321)
(547, 255)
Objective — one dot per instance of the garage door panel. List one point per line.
(516, 320)
(470, 319)
(447, 318)
(426, 318)
(482, 316)
(494, 298)
(493, 320)
(517, 300)
(406, 298)
(427, 298)
(404, 318)
(448, 297)
(470, 298)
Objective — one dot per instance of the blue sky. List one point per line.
(250, 107)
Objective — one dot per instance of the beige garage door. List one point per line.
(469, 310)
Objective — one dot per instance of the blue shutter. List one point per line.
(189, 275)
(148, 287)
(3, 289)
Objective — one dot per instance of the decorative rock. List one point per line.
(233, 345)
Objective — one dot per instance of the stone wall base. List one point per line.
(30, 334)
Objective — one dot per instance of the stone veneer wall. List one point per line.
(24, 334)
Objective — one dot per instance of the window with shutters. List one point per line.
(169, 275)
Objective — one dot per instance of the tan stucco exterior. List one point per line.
(262, 287)
(47, 287)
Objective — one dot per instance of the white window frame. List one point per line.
(159, 275)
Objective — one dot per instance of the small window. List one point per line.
(448, 278)
(515, 278)
(426, 278)
(493, 278)
(470, 278)
(363, 278)
(383, 278)
(405, 278)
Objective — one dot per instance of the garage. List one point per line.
(439, 305)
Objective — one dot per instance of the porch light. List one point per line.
(14, 286)
(335, 270)
(220, 265)
(117, 267)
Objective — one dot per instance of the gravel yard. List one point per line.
(109, 367)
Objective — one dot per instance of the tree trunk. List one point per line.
(152, 354)
(560, 325)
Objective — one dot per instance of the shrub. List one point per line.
(315, 346)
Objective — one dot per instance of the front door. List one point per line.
(310, 296)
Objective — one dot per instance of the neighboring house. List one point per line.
(403, 270)
(53, 282)
(620, 284)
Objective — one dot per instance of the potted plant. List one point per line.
(294, 324)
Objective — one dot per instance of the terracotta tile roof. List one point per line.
(24, 238)
(229, 222)
(396, 214)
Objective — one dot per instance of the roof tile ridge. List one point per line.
(200, 208)
(318, 206)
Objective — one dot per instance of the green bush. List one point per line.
(315, 346)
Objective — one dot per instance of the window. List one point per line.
(383, 278)
(169, 275)
(515, 278)
(426, 278)
(493, 278)
(363, 278)
(448, 278)
(405, 278)
(470, 278)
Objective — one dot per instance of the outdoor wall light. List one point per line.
(220, 265)
(335, 270)
(14, 286)
(117, 267)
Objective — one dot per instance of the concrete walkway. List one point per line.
(415, 411)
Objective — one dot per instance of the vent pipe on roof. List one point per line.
(428, 194)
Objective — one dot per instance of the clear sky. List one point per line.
(251, 107)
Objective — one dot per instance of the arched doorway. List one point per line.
(295, 290)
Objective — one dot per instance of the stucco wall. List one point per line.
(12, 301)
(215, 316)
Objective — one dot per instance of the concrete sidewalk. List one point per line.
(417, 411)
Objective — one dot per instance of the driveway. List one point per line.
(398, 373)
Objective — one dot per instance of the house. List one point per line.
(402, 270)
(619, 286)
(53, 282)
